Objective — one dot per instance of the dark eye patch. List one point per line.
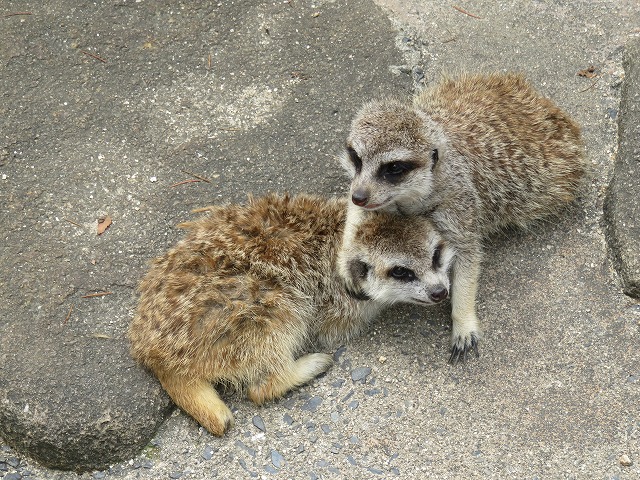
(355, 158)
(436, 259)
(434, 158)
(402, 274)
(394, 172)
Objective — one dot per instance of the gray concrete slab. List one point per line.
(622, 208)
(555, 393)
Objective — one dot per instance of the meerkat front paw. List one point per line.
(462, 346)
(464, 339)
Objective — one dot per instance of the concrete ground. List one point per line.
(108, 108)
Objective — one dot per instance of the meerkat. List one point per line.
(476, 153)
(251, 287)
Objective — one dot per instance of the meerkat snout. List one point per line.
(439, 294)
(360, 197)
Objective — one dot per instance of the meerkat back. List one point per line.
(233, 302)
(526, 154)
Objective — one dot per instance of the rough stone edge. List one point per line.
(624, 247)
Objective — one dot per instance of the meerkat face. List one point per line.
(391, 154)
(390, 259)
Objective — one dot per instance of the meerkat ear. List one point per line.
(358, 269)
(434, 158)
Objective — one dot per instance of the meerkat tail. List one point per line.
(465, 331)
(296, 373)
(199, 399)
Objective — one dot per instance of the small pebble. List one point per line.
(312, 404)
(207, 454)
(259, 423)
(243, 464)
(325, 428)
(624, 460)
(299, 448)
(13, 462)
(348, 396)
(372, 392)
(99, 475)
(375, 471)
(270, 469)
(351, 460)
(313, 476)
(288, 419)
(354, 404)
(13, 476)
(335, 416)
(338, 383)
(338, 353)
(153, 179)
(175, 475)
(395, 471)
(277, 459)
(246, 448)
(360, 374)
(382, 359)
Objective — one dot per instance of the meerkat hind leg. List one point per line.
(465, 325)
(199, 399)
(296, 373)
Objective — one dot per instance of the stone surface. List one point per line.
(555, 392)
(117, 103)
(622, 207)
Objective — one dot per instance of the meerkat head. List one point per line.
(391, 154)
(391, 259)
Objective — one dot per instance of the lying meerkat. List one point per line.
(252, 287)
(477, 153)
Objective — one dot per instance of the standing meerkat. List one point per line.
(477, 153)
(252, 287)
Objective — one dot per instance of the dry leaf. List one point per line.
(588, 72)
(103, 224)
(101, 335)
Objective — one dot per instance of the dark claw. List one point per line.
(460, 353)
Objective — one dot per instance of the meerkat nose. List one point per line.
(360, 198)
(439, 294)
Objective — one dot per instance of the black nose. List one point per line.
(360, 198)
(439, 294)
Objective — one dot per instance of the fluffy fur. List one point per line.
(252, 287)
(476, 153)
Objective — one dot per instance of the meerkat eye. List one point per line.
(402, 273)
(394, 172)
(355, 158)
(434, 158)
(435, 261)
